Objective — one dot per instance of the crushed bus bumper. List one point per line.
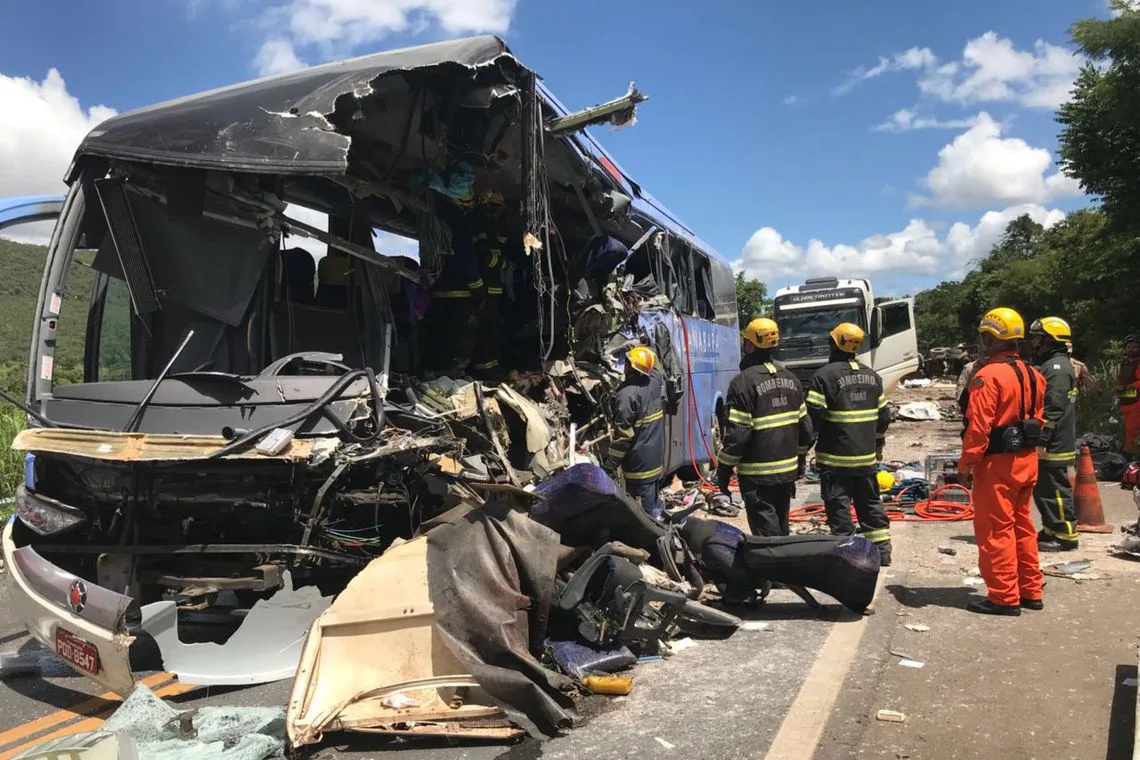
(79, 621)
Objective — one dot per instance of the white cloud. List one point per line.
(335, 27)
(917, 249)
(981, 168)
(277, 56)
(1132, 5)
(41, 125)
(909, 60)
(991, 69)
(905, 120)
(790, 100)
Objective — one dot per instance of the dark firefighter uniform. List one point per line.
(850, 416)
(490, 252)
(457, 296)
(638, 445)
(1004, 394)
(766, 430)
(1058, 453)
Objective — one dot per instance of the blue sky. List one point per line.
(886, 139)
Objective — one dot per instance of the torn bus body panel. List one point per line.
(267, 644)
(375, 662)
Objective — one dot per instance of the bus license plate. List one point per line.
(82, 654)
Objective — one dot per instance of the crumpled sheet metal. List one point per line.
(265, 648)
(375, 662)
(145, 447)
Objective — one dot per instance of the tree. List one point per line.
(1100, 135)
(751, 299)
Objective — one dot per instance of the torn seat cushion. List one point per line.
(843, 567)
(491, 574)
(586, 508)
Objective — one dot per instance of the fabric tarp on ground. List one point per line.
(491, 575)
(843, 567)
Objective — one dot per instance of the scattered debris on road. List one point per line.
(948, 550)
(917, 627)
(1074, 570)
(13, 664)
(890, 716)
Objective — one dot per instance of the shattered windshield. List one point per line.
(804, 332)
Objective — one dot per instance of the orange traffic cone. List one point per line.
(1086, 494)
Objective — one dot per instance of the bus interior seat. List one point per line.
(300, 271)
(332, 281)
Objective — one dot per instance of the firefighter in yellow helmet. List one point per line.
(638, 444)
(1049, 340)
(766, 432)
(849, 415)
(1004, 420)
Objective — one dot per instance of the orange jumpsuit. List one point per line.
(1131, 413)
(1003, 483)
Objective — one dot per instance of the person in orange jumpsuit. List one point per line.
(1128, 394)
(1004, 419)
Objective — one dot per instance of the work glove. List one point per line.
(801, 466)
(723, 479)
(879, 451)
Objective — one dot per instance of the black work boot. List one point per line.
(884, 554)
(1051, 544)
(1032, 604)
(986, 607)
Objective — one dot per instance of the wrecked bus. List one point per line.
(256, 420)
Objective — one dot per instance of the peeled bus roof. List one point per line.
(277, 124)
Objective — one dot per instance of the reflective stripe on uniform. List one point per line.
(861, 415)
(815, 398)
(882, 401)
(488, 365)
(1064, 456)
(738, 417)
(727, 459)
(768, 468)
(877, 536)
(452, 294)
(651, 417)
(475, 284)
(836, 460)
(493, 291)
(644, 474)
(770, 421)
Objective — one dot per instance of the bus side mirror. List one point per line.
(876, 335)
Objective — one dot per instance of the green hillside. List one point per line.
(22, 266)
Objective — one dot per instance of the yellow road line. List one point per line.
(95, 721)
(86, 707)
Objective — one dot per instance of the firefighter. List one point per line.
(451, 324)
(767, 432)
(849, 415)
(490, 248)
(638, 446)
(1004, 419)
(1049, 338)
(1128, 394)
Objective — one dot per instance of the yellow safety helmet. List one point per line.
(848, 337)
(762, 333)
(886, 480)
(1054, 327)
(1003, 323)
(641, 359)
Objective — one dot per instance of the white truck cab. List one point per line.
(807, 313)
